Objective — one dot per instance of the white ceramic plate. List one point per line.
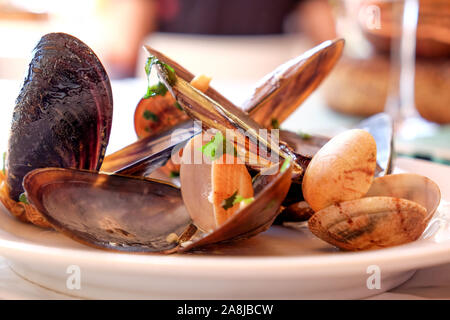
(278, 264)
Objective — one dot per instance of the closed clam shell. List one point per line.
(369, 223)
(342, 170)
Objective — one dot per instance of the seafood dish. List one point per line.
(230, 171)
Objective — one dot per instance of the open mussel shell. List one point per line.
(146, 155)
(245, 132)
(256, 217)
(396, 210)
(109, 211)
(62, 116)
(279, 93)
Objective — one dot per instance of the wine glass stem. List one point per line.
(400, 103)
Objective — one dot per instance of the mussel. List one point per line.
(62, 117)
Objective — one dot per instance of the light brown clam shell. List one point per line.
(396, 210)
(341, 170)
(369, 223)
(408, 186)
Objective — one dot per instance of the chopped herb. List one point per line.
(23, 198)
(285, 165)
(212, 148)
(152, 60)
(178, 106)
(147, 129)
(4, 163)
(160, 88)
(155, 90)
(148, 115)
(235, 198)
(239, 199)
(275, 123)
(304, 135)
(174, 174)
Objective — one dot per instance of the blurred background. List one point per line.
(397, 56)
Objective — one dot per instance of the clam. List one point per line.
(396, 210)
(343, 169)
(369, 223)
(62, 117)
(353, 211)
(379, 126)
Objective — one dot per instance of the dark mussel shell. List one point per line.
(109, 211)
(137, 214)
(148, 154)
(63, 113)
(280, 92)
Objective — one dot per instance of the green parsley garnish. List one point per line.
(174, 174)
(157, 89)
(285, 165)
(235, 198)
(148, 115)
(217, 147)
(304, 135)
(23, 198)
(4, 163)
(275, 123)
(160, 88)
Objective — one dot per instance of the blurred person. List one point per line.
(127, 23)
